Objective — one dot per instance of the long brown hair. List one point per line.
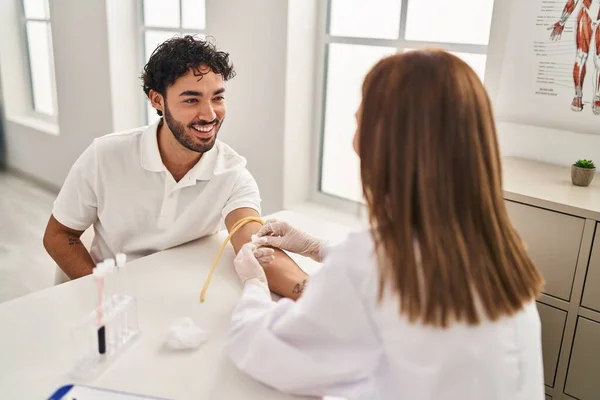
(431, 174)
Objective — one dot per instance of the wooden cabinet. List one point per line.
(583, 376)
(553, 326)
(560, 224)
(553, 241)
(591, 291)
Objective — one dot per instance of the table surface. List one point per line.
(36, 352)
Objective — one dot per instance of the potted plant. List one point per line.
(583, 172)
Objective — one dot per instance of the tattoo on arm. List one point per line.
(74, 240)
(299, 288)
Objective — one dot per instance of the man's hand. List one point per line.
(285, 277)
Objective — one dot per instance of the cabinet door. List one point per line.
(553, 326)
(553, 241)
(583, 377)
(591, 291)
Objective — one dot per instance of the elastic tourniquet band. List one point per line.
(234, 229)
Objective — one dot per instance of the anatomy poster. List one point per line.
(551, 70)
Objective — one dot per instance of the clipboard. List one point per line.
(83, 392)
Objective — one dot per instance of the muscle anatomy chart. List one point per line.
(587, 41)
(551, 69)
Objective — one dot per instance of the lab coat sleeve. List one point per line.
(323, 344)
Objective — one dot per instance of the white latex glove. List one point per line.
(282, 235)
(248, 268)
(265, 255)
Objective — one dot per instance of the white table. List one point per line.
(36, 350)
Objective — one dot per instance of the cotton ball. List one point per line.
(258, 240)
(183, 334)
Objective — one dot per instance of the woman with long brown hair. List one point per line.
(437, 300)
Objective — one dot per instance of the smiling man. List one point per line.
(156, 187)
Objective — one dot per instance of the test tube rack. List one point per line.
(99, 346)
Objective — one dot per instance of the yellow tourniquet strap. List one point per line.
(234, 229)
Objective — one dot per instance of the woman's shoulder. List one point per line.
(355, 255)
(357, 245)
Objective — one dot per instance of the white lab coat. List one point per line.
(337, 340)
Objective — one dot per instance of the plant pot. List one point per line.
(582, 176)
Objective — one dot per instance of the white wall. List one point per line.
(83, 89)
(547, 145)
(13, 72)
(2, 128)
(125, 50)
(254, 33)
(299, 100)
(271, 44)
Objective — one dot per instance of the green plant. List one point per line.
(588, 164)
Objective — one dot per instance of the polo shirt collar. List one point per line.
(149, 154)
(204, 168)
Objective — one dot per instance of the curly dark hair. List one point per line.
(176, 56)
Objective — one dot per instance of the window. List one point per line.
(361, 32)
(38, 42)
(164, 19)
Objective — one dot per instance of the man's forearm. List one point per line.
(285, 277)
(65, 248)
(70, 255)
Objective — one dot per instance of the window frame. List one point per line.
(143, 28)
(324, 40)
(31, 111)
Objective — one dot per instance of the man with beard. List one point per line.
(156, 187)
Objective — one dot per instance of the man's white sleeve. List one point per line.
(245, 194)
(76, 204)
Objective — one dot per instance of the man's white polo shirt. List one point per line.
(120, 185)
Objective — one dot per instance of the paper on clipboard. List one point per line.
(82, 392)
